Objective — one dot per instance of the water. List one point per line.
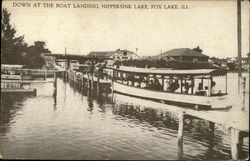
(76, 124)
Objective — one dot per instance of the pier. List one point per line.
(86, 80)
(13, 83)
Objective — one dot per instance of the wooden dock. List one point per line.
(13, 83)
(85, 80)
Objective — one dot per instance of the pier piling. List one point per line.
(243, 94)
(55, 82)
(180, 134)
(211, 126)
(235, 143)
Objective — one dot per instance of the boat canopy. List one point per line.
(192, 72)
(11, 66)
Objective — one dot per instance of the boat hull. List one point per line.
(186, 100)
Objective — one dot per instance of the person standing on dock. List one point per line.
(91, 68)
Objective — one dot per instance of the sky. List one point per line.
(208, 24)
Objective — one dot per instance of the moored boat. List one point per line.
(189, 88)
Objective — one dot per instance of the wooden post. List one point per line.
(132, 81)
(55, 83)
(211, 88)
(234, 143)
(226, 84)
(180, 135)
(45, 75)
(21, 86)
(180, 127)
(243, 95)
(147, 81)
(127, 76)
(88, 81)
(122, 77)
(192, 83)
(97, 84)
(211, 126)
(162, 77)
(92, 82)
(181, 84)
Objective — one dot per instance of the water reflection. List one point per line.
(11, 106)
(194, 128)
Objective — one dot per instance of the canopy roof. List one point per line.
(193, 72)
(11, 66)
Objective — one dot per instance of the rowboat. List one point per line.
(189, 88)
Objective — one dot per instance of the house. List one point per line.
(74, 64)
(114, 55)
(63, 63)
(124, 55)
(184, 55)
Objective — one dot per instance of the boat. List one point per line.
(161, 85)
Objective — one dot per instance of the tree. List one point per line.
(231, 66)
(11, 46)
(34, 58)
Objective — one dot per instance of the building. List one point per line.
(184, 55)
(114, 55)
(63, 63)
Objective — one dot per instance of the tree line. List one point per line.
(14, 50)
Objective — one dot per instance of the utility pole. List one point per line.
(239, 44)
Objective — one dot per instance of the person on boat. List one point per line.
(174, 86)
(187, 87)
(158, 85)
(101, 68)
(206, 90)
(151, 84)
(200, 90)
(213, 91)
(91, 68)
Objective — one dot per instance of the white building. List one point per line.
(114, 55)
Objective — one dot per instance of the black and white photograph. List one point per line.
(125, 79)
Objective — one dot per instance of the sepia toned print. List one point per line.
(125, 80)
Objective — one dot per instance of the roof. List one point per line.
(193, 72)
(13, 66)
(101, 53)
(183, 52)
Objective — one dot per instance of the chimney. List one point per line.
(198, 49)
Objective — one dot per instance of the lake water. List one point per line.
(77, 124)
